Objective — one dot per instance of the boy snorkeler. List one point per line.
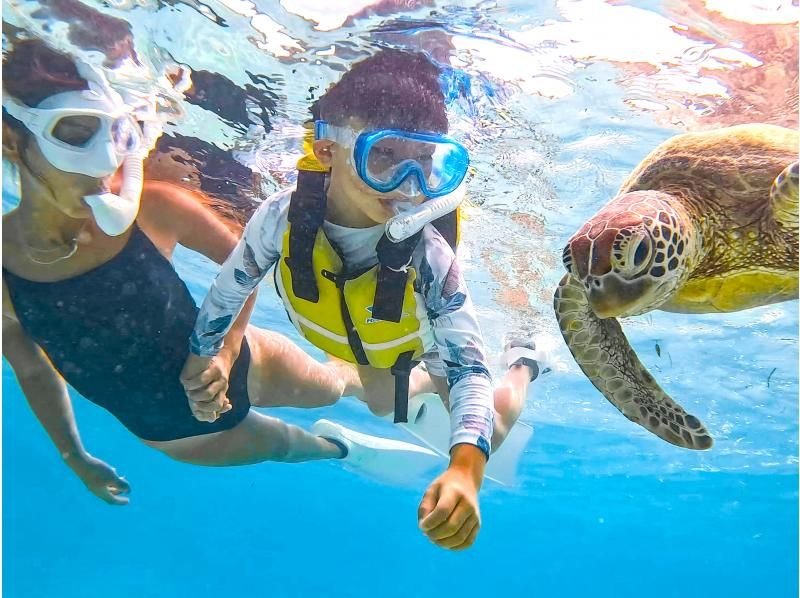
(364, 261)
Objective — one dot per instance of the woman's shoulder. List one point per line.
(10, 252)
(164, 193)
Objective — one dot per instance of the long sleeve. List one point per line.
(251, 259)
(459, 343)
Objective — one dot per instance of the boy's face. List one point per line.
(351, 202)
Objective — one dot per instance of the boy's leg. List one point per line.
(509, 399)
(378, 387)
(511, 393)
(257, 438)
(281, 374)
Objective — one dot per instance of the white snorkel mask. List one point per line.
(91, 132)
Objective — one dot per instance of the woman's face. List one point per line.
(66, 189)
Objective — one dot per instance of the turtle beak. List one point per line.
(612, 297)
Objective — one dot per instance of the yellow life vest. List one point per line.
(369, 317)
(341, 322)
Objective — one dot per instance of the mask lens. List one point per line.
(392, 159)
(390, 155)
(450, 164)
(76, 130)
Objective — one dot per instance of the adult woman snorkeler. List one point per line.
(90, 297)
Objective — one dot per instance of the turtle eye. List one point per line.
(641, 253)
(631, 253)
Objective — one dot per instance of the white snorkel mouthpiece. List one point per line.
(409, 222)
(114, 214)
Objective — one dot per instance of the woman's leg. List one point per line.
(255, 439)
(281, 374)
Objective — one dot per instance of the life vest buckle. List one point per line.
(332, 276)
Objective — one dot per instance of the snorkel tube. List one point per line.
(114, 214)
(409, 222)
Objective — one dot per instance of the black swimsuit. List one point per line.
(119, 334)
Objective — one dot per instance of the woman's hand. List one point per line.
(205, 380)
(449, 513)
(100, 478)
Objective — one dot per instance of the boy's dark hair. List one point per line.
(393, 88)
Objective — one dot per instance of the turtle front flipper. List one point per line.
(783, 196)
(604, 355)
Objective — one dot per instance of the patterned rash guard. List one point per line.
(451, 336)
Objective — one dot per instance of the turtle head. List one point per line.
(632, 255)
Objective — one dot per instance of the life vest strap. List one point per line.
(394, 259)
(306, 214)
(352, 334)
(401, 370)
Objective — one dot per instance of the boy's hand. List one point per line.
(205, 380)
(449, 513)
(100, 478)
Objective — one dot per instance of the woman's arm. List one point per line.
(46, 393)
(179, 216)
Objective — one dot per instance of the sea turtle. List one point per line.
(708, 222)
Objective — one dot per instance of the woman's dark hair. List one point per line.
(393, 88)
(32, 72)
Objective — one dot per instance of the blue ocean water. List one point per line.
(560, 114)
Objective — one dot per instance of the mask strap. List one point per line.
(94, 76)
(341, 135)
(18, 110)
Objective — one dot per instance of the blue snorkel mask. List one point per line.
(411, 163)
(385, 159)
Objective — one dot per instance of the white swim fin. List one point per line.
(429, 421)
(383, 459)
